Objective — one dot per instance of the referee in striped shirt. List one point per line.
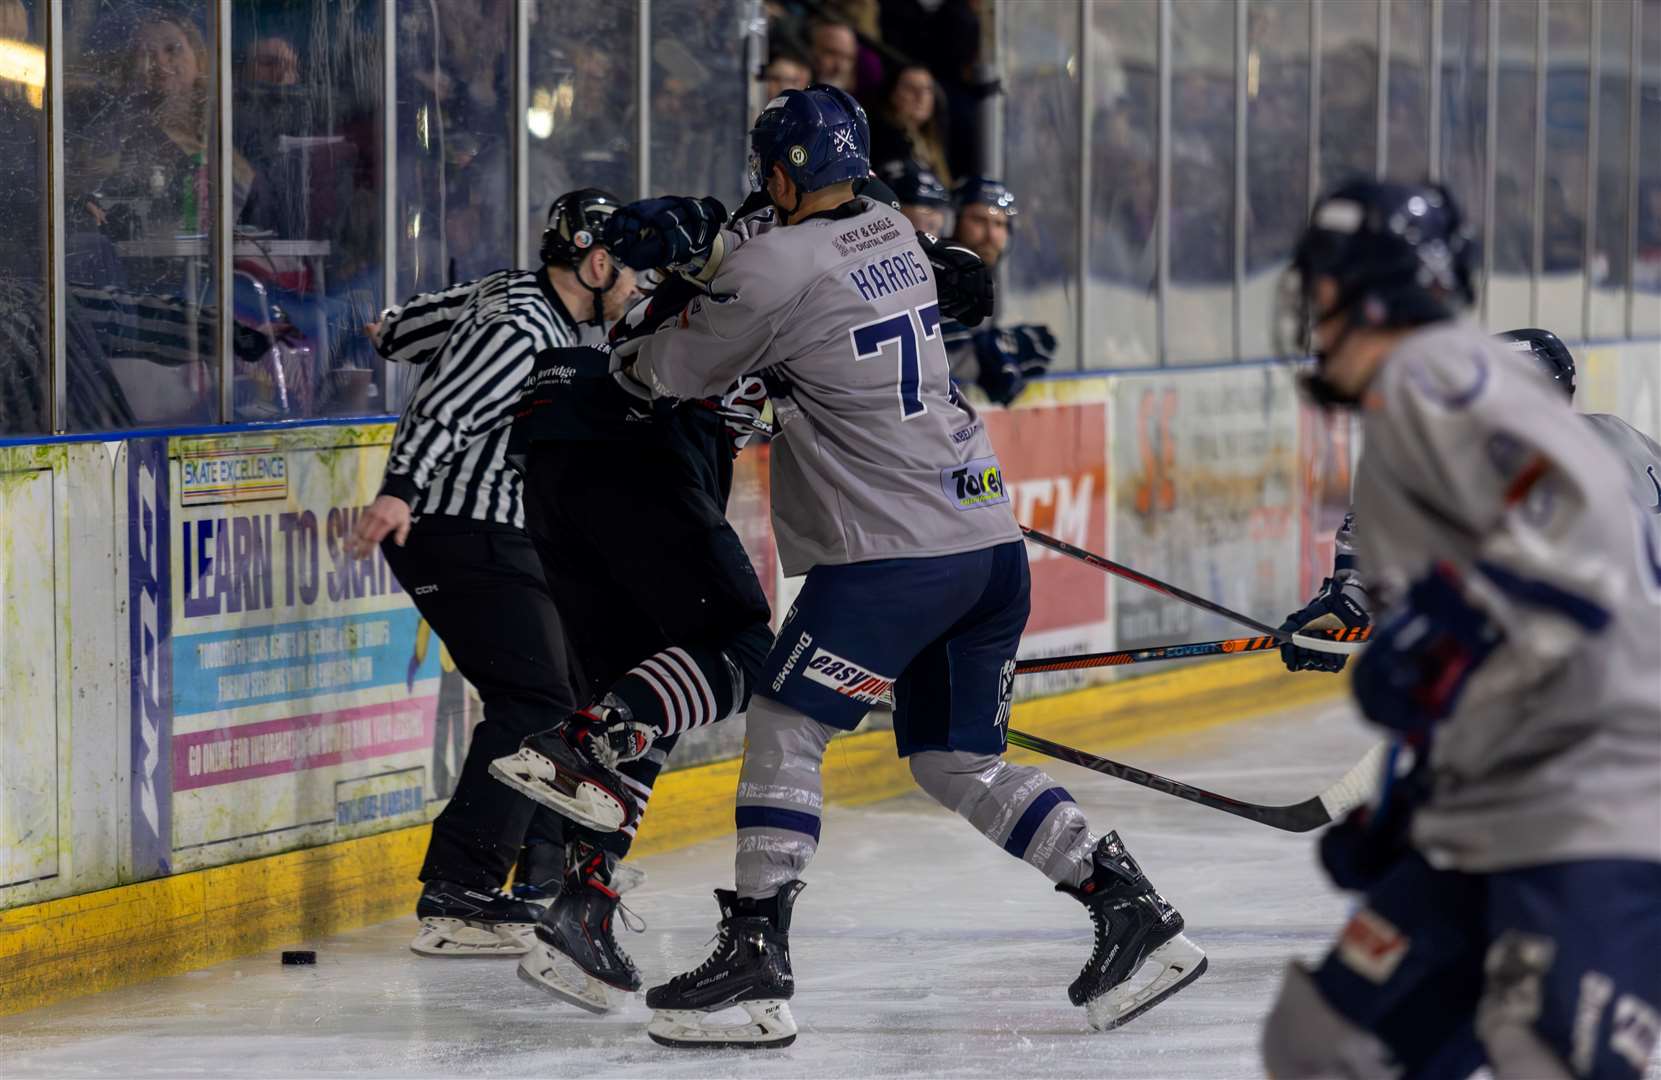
(451, 521)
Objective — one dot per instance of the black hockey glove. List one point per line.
(675, 231)
(1423, 654)
(1031, 347)
(963, 282)
(1331, 609)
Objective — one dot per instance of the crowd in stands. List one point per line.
(917, 67)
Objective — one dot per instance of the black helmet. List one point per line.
(574, 224)
(914, 185)
(987, 191)
(1549, 350)
(1400, 254)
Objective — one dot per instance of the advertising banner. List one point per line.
(1205, 496)
(1054, 458)
(31, 621)
(305, 689)
(150, 644)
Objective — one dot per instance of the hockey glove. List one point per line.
(1423, 654)
(675, 231)
(1362, 848)
(963, 282)
(1332, 609)
(1031, 347)
(642, 320)
(740, 410)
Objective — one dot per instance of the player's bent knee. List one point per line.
(777, 732)
(951, 777)
(1305, 1037)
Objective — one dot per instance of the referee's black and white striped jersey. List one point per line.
(476, 342)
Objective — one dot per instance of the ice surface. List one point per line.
(920, 950)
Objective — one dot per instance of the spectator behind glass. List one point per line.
(835, 54)
(908, 123)
(945, 35)
(784, 70)
(998, 360)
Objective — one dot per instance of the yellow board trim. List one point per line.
(116, 937)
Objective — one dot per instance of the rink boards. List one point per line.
(220, 729)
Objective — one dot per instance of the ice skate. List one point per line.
(575, 955)
(749, 969)
(1135, 926)
(461, 921)
(571, 769)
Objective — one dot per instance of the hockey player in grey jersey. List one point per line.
(1342, 603)
(1512, 877)
(888, 495)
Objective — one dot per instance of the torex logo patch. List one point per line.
(847, 678)
(974, 484)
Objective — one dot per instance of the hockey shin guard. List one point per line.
(779, 797)
(1017, 807)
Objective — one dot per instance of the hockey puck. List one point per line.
(299, 956)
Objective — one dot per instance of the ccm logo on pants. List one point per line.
(847, 678)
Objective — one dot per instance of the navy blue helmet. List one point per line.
(984, 189)
(914, 185)
(818, 136)
(1400, 255)
(1549, 350)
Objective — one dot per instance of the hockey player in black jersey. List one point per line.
(667, 621)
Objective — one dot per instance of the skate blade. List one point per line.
(770, 1026)
(1180, 962)
(459, 938)
(557, 974)
(536, 778)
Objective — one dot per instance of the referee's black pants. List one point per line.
(480, 586)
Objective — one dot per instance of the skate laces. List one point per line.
(723, 935)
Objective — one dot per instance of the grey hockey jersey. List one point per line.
(876, 455)
(1554, 752)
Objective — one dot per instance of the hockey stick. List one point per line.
(1227, 646)
(1314, 644)
(1350, 791)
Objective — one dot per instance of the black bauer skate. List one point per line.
(1134, 925)
(575, 955)
(750, 969)
(571, 769)
(460, 921)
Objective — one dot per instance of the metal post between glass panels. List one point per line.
(1086, 121)
(1242, 30)
(1490, 167)
(1537, 269)
(1162, 219)
(224, 218)
(1381, 103)
(59, 376)
(643, 95)
(1634, 89)
(521, 134)
(1315, 13)
(1594, 94)
(1433, 110)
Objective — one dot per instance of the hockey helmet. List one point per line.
(914, 185)
(1549, 350)
(1400, 256)
(575, 223)
(818, 136)
(985, 191)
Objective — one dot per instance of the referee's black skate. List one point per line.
(457, 920)
(1134, 925)
(749, 969)
(575, 955)
(572, 767)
